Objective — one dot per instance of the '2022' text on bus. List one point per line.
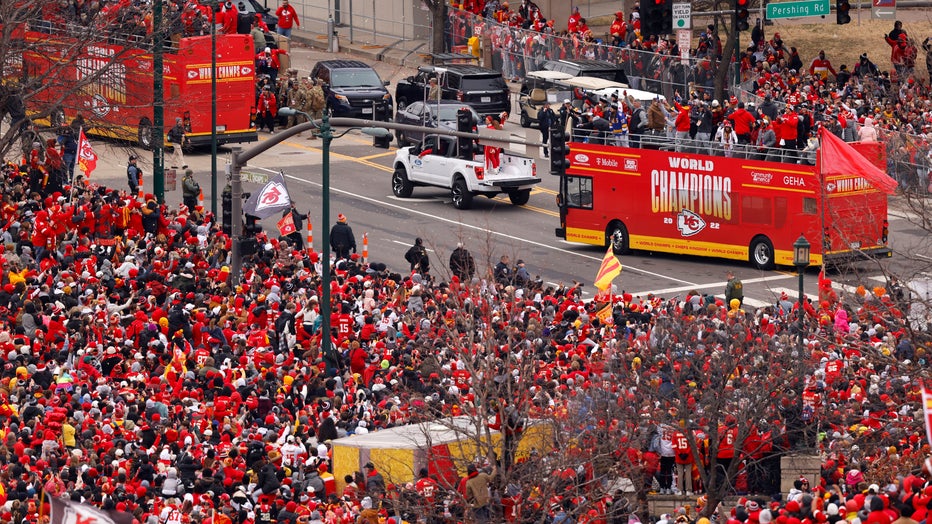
(109, 82)
(657, 199)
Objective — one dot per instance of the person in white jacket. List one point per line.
(727, 137)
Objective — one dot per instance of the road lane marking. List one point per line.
(478, 229)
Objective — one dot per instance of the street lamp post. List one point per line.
(801, 261)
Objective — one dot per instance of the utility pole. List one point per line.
(213, 109)
(158, 115)
(236, 209)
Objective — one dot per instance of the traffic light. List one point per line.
(657, 17)
(465, 124)
(842, 12)
(559, 150)
(381, 113)
(227, 197)
(742, 15)
(253, 227)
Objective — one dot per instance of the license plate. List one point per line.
(485, 99)
(367, 110)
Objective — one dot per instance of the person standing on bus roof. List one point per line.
(287, 17)
(176, 137)
(229, 18)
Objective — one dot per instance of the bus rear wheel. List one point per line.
(762, 253)
(144, 134)
(617, 236)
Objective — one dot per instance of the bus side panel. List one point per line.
(693, 204)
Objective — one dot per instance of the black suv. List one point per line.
(353, 88)
(597, 68)
(482, 89)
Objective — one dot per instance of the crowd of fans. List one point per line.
(788, 96)
(138, 378)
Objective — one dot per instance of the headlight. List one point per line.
(341, 99)
(386, 96)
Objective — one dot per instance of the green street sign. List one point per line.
(798, 9)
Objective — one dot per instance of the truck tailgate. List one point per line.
(512, 171)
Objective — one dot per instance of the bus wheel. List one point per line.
(762, 253)
(400, 104)
(520, 197)
(401, 186)
(617, 236)
(57, 117)
(462, 198)
(144, 134)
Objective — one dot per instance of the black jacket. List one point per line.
(341, 235)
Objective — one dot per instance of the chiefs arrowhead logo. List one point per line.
(192, 74)
(273, 195)
(689, 223)
(245, 70)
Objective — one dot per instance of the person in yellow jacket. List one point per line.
(67, 433)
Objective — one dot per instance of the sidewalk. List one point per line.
(388, 49)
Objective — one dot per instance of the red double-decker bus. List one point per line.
(733, 208)
(111, 85)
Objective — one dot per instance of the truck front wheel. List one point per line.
(401, 186)
(462, 198)
(520, 197)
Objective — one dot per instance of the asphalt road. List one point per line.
(360, 189)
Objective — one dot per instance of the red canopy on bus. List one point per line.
(838, 158)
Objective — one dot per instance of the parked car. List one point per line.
(539, 87)
(483, 89)
(352, 87)
(429, 114)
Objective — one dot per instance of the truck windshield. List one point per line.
(355, 78)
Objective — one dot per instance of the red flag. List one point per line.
(286, 225)
(927, 411)
(87, 158)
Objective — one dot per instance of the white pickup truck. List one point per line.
(435, 162)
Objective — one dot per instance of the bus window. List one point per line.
(579, 192)
(809, 206)
(780, 206)
(755, 210)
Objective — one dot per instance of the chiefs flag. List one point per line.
(87, 158)
(272, 198)
(65, 511)
(286, 225)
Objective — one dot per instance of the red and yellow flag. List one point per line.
(609, 269)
